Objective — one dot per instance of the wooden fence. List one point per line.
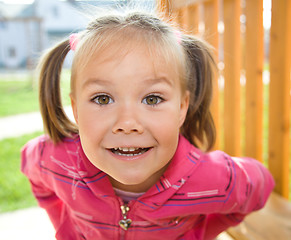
(235, 29)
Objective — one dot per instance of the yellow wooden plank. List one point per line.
(272, 222)
(224, 236)
(164, 7)
(279, 99)
(182, 17)
(254, 84)
(193, 16)
(211, 22)
(211, 36)
(232, 61)
(183, 3)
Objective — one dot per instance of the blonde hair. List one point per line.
(192, 58)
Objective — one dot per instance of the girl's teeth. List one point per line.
(125, 149)
(131, 151)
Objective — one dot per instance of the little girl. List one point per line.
(131, 167)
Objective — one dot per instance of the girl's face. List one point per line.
(129, 109)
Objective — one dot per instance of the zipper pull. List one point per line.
(125, 222)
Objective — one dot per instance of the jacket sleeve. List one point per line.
(251, 186)
(31, 155)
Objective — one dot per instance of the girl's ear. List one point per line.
(184, 106)
(74, 107)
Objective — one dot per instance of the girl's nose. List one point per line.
(127, 122)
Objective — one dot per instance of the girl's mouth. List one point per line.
(129, 151)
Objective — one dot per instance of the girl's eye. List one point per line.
(102, 99)
(152, 100)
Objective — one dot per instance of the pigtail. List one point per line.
(199, 127)
(56, 123)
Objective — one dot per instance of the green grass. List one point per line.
(17, 97)
(15, 190)
(20, 95)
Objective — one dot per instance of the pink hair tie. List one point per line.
(73, 41)
(178, 36)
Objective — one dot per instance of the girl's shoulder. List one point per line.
(44, 143)
(219, 165)
(234, 181)
(42, 147)
(42, 153)
(217, 168)
(215, 163)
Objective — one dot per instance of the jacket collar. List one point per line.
(184, 162)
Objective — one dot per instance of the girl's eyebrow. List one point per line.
(148, 81)
(153, 81)
(94, 81)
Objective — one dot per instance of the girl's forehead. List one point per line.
(120, 53)
(159, 55)
(152, 54)
(135, 64)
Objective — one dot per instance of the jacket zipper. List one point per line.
(125, 222)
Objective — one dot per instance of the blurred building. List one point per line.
(27, 29)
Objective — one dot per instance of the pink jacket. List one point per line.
(199, 195)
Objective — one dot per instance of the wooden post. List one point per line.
(192, 19)
(211, 36)
(182, 17)
(164, 7)
(279, 100)
(254, 82)
(232, 60)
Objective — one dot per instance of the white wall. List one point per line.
(12, 48)
(59, 16)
